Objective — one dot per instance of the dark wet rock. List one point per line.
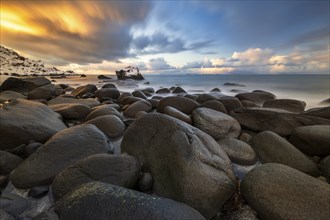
(290, 105)
(122, 96)
(38, 191)
(8, 162)
(157, 97)
(23, 84)
(82, 90)
(233, 84)
(73, 111)
(115, 202)
(149, 90)
(256, 97)
(130, 100)
(153, 102)
(312, 140)
(12, 203)
(238, 91)
(88, 95)
(177, 114)
(183, 104)
(245, 137)
(215, 123)
(65, 100)
(272, 148)
(205, 97)
(107, 93)
(325, 102)
(25, 150)
(104, 110)
(83, 75)
(60, 151)
(318, 112)
(5, 215)
(109, 85)
(178, 89)
(102, 77)
(190, 96)
(43, 92)
(279, 192)
(230, 103)
(145, 182)
(120, 170)
(4, 179)
(325, 167)
(163, 90)
(215, 105)
(192, 153)
(249, 104)
(110, 125)
(23, 120)
(238, 151)
(140, 114)
(10, 95)
(136, 107)
(215, 90)
(139, 94)
(278, 121)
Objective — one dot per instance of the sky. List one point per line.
(208, 37)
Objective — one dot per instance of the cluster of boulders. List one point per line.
(99, 153)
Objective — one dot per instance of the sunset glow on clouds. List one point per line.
(171, 37)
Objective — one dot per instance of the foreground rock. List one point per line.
(83, 90)
(215, 123)
(167, 147)
(103, 110)
(136, 107)
(10, 95)
(8, 162)
(23, 120)
(279, 192)
(272, 148)
(114, 202)
(183, 104)
(107, 93)
(23, 85)
(72, 111)
(278, 121)
(323, 112)
(110, 125)
(66, 100)
(312, 140)
(256, 97)
(60, 151)
(291, 105)
(177, 114)
(120, 170)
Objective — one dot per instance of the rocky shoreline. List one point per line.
(99, 153)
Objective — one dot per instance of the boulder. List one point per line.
(60, 151)
(110, 125)
(23, 85)
(215, 90)
(8, 162)
(175, 153)
(177, 114)
(153, 102)
(325, 102)
(23, 120)
(256, 97)
(10, 95)
(72, 111)
(205, 97)
(325, 167)
(104, 110)
(109, 85)
(136, 107)
(183, 104)
(230, 103)
(238, 151)
(290, 105)
(312, 140)
(215, 123)
(215, 105)
(130, 100)
(272, 148)
(148, 90)
(120, 170)
(279, 192)
(82, 90)
(107, 93)
(66, 100)
(96, 200)
(122, 96)
(178, 90)
(276, 120)
(323, 112)
(43, 92)
(249, 104)
(139, 94)
(163, 90)
(234, 84)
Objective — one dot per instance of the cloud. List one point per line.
(75, 31)
(159, 64)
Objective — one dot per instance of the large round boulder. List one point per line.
(96, 200)
(272, 148)
(215, 105)
(177, 114)
(60, 151)
(10, 95)
(23, 120)
(258, 97)
(136, 107)
(107, 93)
(279, 192)
(181, 103)
(290, 105)
(230, 103)
(175, 153)
(8, 162)
(120, 170)
(322, 112)
(72, 111)
(104, 110)
(23, 85)
(215, 123)
(110, 125)
(83, 90)
(312, 140)
(43, 92)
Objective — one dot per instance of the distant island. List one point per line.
(129, 72)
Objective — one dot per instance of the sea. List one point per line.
(310, 88)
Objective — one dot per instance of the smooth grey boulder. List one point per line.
(215, 105)
(43, 92)
(120, 170)
(60, 151)
(215, 123)
(104, 110)
(312, 140)
(279, 192)
(23, 85)
(109, 85)
(249, 104)
(139, 94)
(136, 107)
(276, 120)
(96, 200)
(8, 162)
(83, 90)
(72, 111)
(205, 97)
(110, 125)
(107, 93)
(183, 104)
(24, 120)
(64, 100)
(10, 95)
(163, 91)
(322, 112)
(272, 148)
(230, 103)
(175, 153)
(290, 105)
(238, 151)
(130, 100)
(178, 89)
(258, 97)
(177, 114)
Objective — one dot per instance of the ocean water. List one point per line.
(310, 88)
